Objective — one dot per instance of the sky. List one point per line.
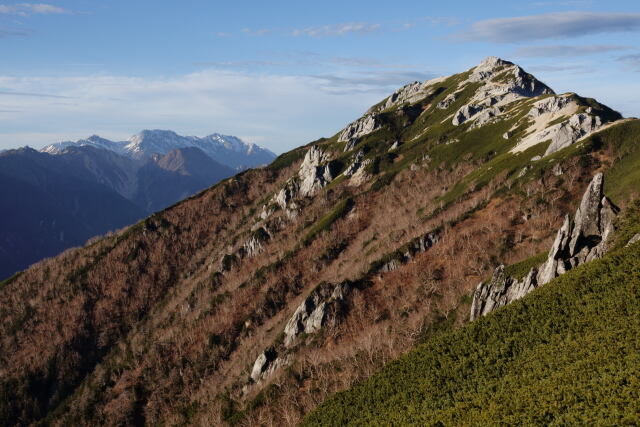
(283, 73)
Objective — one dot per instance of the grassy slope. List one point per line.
(569, 353)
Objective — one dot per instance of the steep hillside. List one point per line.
(568, 354)
(253, 301)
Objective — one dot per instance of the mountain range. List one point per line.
(464, 253)
(72, 191)
(227, 150)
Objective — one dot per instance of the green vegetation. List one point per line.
(325, 222)
(627, 225)
(623, 140)
(567, 354)
(522, 268)
(287, 159)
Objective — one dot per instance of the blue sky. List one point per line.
(283, 73)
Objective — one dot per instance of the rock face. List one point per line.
(267, 363)
(465, 113)
(586, 237)
(322, 306)
(262, 363)
(254, 245)
(416, 246)
(568, 132)
(285, 197)
(500, 291)
(563, 120)
(446, 103)
(361, 127)
(409, 93)
(581, 240)
(356, 171)
(502, 83)
(315, 172)
(549, 105)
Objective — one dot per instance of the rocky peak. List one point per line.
(488, 67)
(578, 241)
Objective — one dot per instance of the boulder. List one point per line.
(361, 127)
(465, 113)
(446, 102)
(485, 116)
(320, 307)
(262, 363)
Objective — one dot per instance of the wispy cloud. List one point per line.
(260, 32)
(550, 26)
(12, 32)
(561, 68)
(552, 51)
(25, 9)
(337, 30)
(631, 61)
(42, 8)
(30, 94)
(566, 3)
(212, 100)
(381, 82)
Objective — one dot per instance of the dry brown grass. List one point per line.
(135, 326)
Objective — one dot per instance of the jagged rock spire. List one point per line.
(578, 241)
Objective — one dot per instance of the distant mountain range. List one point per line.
(71, 191)
(227, 150)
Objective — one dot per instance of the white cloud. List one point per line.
(42, 8)
(282, 111)
(565, 51)
(557, 25)
(337, 30)
(631, 61)
(25, 9)
(260, 32)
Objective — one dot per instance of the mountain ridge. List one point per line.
(255, 300)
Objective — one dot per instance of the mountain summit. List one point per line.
(256, 300)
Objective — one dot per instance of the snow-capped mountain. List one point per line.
(228, 150)
(92, 141)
